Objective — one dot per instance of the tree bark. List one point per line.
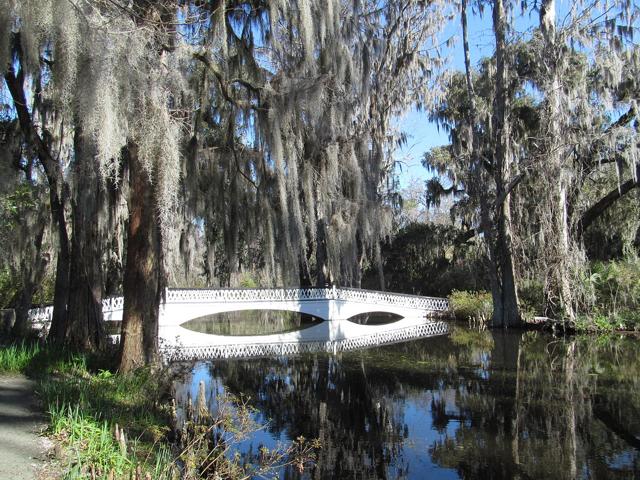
(32, 272)
(506, 314)
(559, 298)
(142, 285)
(84, 328)
(15, 83)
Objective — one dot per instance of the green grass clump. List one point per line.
(17, 357)
(471, 306)
(100, 450)
(86, 401)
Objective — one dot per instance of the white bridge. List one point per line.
(334, 305)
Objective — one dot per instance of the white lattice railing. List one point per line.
(302, 294)
(428, 329)
(256, 295)
(387, 298)
(41, 315)
(112, 303)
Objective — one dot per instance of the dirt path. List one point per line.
(22, 450)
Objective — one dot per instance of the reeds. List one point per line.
(17, 357)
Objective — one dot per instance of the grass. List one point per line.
(116, 426)
(473, 307)
(110, 425)
(16, 358)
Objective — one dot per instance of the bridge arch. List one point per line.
(335, 305)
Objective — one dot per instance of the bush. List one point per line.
(531, 299)
(471, 306)
(616, 292)
(247, 281)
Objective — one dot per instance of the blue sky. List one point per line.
(423, 134)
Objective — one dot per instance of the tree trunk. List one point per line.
(32, 270)
(509, 316)
(558, 295)
(142, 286)
(84, 328)
(15, 83)
(61, 290)
(323, 276)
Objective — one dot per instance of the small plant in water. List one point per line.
(207, 442)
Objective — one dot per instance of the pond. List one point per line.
(265, 322)
(251, 322)
(499, 405)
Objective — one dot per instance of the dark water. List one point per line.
(264, 322)
(470, 405)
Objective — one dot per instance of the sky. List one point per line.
(422, 135)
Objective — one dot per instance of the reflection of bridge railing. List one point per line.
(248, 350)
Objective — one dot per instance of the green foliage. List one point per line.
(16, 358)
(13, 205)
(85, 406)
(115, 426)
(45, 291)
(427, 259)
(616, 292)
(9, 288)
(471, 306)
(531, 297)
(247, 281)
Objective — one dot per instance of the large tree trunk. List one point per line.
(509, 316)
(32, 272)
(558, 296)
(61, 289)
(84, 328)
(142, 286)
(15, 83)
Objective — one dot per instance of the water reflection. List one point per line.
(375, 318)
(471, 405)
(252, 322)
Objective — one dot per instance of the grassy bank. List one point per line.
(107, 425)
(609, 293)
(114, 426)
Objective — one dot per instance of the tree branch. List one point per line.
(604, 203)
(509, 188)
(224, 85)
(466, 236)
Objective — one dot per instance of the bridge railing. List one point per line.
(302, 294)
(191, 295)
(390, 298)
(179, 295)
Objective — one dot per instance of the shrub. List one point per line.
(531, 299)
(247, 281)
(616, 296)
(471, 306)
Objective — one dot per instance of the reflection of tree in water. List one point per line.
(546, 412)
(357, 420)
(251, 322)
(354, 403)
(504, 405)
